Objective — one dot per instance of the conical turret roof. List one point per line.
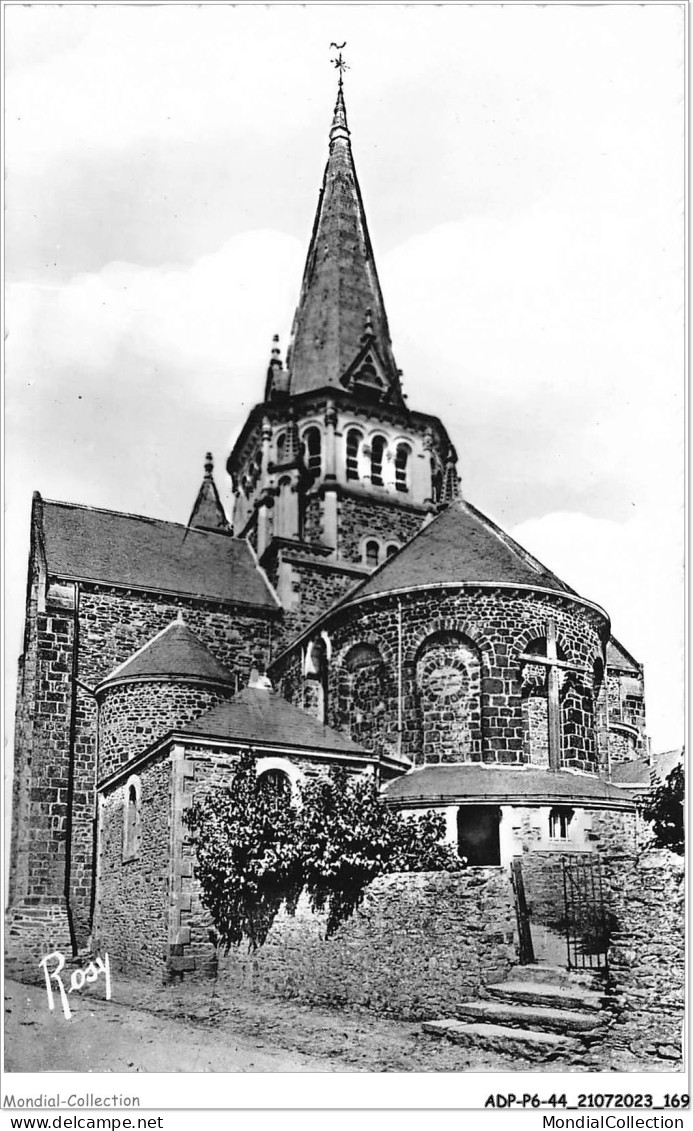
(174, 653)
(208, 512)
(341, 308)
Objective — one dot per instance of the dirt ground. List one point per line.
(165, 1030)
(146, 1028)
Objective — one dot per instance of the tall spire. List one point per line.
(340, 284)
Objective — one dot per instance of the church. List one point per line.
(354, 609)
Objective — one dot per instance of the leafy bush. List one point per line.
(664, 807)
(247, 855)
(256, 852)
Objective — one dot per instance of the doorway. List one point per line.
(478, 835)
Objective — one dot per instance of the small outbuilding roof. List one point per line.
(262, 717)
(460, 545)
(471, 783)
(174, 653)
(133, 552)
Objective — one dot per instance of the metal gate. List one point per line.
(585, 919)
(522, 912)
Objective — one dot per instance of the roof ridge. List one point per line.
(139, 517)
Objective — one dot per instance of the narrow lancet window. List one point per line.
(313, 450)
(377, 454)
(402, 467)
(352, 453)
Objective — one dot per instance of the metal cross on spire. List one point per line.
(339, 61)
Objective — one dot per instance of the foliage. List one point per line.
(348, 836)
(256, 852)
(247, 855)
(664, 807)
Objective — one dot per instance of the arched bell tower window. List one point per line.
(377, 456)
(281, 447)
(402, 467)
(312, 441)
(391, 550)
(353, 443)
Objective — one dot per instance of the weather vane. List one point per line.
(339, 61)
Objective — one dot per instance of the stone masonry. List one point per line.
(498, 626)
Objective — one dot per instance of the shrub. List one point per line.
(664, 807)
(256, 852)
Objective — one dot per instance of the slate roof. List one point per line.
(635, 773)
(618, 657)
(264, 718)
(208, 512)
(90, 544)
(340, 281)
(459, 545)
(174, 652)
(455, 784)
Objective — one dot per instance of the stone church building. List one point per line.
(353, 610)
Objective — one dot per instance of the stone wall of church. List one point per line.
(358, 519)
(42, 758)
(448, 713)
(112, 626)
(133, 715)
(196, 771)
(647, 958)
(625, 705)
(417, 943)
(55, 751)
(131, 920)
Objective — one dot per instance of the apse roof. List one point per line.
(175, 652)
(460, 545)
(112, 548)
(458, 783)
(263, 717)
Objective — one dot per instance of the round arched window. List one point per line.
(353, 443)
(377, 456)
(372, 553)
(402, 467)
(276, 787)
(313, 450)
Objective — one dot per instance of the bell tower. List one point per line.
(332, 472)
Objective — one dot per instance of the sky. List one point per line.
(522, 170)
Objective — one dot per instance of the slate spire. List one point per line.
(208, 512)
(340, 285)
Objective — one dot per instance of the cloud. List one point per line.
(558, 339)
(634, 570)
(202, 327)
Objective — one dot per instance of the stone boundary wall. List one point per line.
(647, 956)
(419, 943)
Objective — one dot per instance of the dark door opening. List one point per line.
(478, 836)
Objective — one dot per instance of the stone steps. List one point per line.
(503, 1038)
(542, 993)
(560, 976)
(541, 1012)
(530, 1016)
